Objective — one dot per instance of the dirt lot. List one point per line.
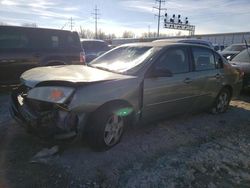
(200, 150)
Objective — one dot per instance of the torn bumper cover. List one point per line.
(43, 119)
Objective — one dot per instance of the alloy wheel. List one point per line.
(113, 130)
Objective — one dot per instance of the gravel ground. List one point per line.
(200, 150)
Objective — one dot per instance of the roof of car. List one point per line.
(34, 28)
(162, 44)
(239, 44)
(186, 40)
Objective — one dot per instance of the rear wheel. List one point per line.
(106, 127)
(222, 101)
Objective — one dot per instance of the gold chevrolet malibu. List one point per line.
(129, 84)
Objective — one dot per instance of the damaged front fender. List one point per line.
(47, 119)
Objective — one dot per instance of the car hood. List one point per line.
(229, 52)
(68, 73)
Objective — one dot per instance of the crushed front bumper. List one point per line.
(45, 123)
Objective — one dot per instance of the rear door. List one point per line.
(15, 54)
(168, 95)
(207, 76)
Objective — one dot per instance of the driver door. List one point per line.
(170, 94)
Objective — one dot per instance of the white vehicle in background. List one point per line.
(219, 47)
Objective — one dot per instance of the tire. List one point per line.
(221, 102)
(106, 127)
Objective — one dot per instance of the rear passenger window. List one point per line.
(175, 60)
(13, 41)
(203, 59)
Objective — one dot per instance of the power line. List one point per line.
(96, 14)
(70, 22)
(159, 8)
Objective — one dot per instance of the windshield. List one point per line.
(235, 48)
(244, 56)
(123, 59)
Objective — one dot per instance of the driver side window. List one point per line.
(174, 60)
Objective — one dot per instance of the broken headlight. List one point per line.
(52, 94)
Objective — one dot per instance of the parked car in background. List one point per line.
(187, 40)
(94, 48)
(131, 83)
(231, 51)
(22, 48)
(218, 47)
(242, 62)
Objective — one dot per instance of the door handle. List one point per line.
(187, 80)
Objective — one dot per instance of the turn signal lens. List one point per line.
(56, 95)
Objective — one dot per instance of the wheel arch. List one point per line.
(230, 88)
(116, 102)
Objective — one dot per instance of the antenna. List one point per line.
(96, 14)
(159, 8)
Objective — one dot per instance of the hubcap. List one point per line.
(223, 101)
(113, 130)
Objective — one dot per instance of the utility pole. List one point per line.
(71, 24)
(96, 14)
(159, 8)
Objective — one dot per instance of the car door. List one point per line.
(207, 76)
(168, 87)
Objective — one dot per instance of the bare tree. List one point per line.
(101, 35)
(111, 36)
(149, 35)
(2, 23)
(128, 34)
(179, 33)
(29, 25)
(86, 33)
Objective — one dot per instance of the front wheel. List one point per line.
(222, 101)
(106, 128)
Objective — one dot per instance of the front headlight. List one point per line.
(51, 94)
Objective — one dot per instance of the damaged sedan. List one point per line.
(130, 84)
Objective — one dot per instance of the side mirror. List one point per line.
(229, 57)
(161, 73)
(219, 63)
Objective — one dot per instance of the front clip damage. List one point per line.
(42, 118)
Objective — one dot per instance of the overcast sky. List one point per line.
(209, 16)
